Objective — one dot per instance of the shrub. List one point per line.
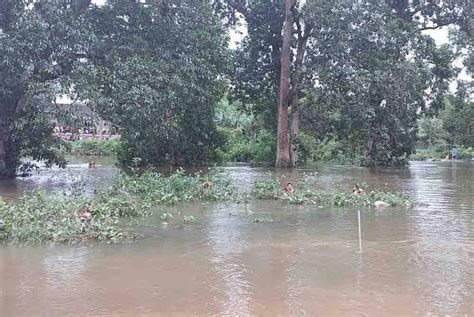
(95, 147)
(270, 189)
(156, 188)
(240, 148)
(39, 217)
(465, 153)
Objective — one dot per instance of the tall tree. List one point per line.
(261, 65)
(283, 145)
(39, 43)
(355, 49)
(157, 70)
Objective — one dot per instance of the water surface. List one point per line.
(304, 260)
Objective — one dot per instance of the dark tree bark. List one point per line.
(296, 88)
(3, 144)
(7, 166)
(283, 145)
(8, 153)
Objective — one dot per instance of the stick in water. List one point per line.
(360, 232)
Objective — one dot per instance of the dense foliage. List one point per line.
(95, 147)
(362, 72)
(344, 80)
(38, 45)
(157, 72)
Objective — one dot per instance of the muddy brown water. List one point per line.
(303, 261)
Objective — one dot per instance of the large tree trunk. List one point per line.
(370, 149)
(283, 145)
(295, 130)
(296, 87)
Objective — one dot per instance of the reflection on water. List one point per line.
(304, 262)
(227, 238)
(56, 179)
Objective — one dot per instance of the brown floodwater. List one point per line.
(302, 261)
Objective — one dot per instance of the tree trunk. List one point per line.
(296, 87)
(283, 145)
(295, 130)
(370, 149)
(3, 143)
(6, 168)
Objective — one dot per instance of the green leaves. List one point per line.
(39, 44)
(159, 79)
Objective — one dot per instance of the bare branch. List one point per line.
(24, 101)
(438, 25)
(242, 9)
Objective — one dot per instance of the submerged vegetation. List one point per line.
(271, 189)
(73, 217)
(39, 217)
(155, 188)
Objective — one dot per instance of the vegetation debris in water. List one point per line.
(270, 189)
(39, 217)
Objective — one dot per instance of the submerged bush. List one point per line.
(38, 217)
(270, 189)
(156, 188)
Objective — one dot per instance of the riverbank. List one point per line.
(74, 217)
(433, 154)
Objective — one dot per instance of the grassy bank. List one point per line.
(39, 217)
(437, 154)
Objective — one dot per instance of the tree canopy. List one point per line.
(38, 44)
(359, 72)
(157, 70)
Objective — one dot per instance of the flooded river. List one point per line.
(302, 261)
